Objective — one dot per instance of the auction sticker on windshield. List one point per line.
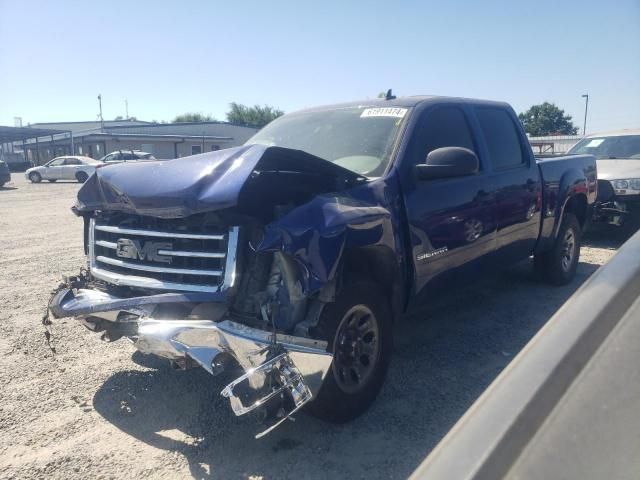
(384, 112)
(595, 142)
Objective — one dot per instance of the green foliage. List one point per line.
(193, 117)
(255, 116)
(547, 119)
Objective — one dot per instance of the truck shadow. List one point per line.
(608, 237)
(445, 356)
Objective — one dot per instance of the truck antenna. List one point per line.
(389, 95)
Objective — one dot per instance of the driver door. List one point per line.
(451, 220)
(54, 170)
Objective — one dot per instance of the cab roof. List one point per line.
(407, 102)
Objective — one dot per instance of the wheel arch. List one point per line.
(577, 205)
(380, 264)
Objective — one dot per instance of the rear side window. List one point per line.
(441, 127)
(503, 141)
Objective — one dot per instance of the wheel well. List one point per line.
(379, 264)
(577, 205)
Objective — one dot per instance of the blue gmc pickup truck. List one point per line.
(289, 258)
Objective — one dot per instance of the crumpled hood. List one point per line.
(200, 183)
(618, 169)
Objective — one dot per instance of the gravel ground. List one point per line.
(104, 411)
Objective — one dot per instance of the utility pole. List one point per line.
(586, 108)
(101, 119)
(126, 109)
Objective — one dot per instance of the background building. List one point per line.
(163, 140)
(553, 144)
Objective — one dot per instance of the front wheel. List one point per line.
(558, 265)
(35, 177)
(358, 328)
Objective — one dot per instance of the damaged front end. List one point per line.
(608, 208)
(281, 372)
(188, 267)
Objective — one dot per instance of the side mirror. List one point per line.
(448, 162)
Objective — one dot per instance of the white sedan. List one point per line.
(64, 168)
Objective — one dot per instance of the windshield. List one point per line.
(360, 139)
(624, 146)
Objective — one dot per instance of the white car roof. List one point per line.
(78, 157)
(616, 133)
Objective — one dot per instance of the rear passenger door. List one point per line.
(515, 180)
(451, 220)
(71, 166)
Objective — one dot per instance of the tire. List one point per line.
(558, 265)
(53, 180)
(82, 177)
(342, 397)
(35, 177)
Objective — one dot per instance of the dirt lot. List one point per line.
(103, 411)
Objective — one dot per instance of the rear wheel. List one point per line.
(35, 177)
(358, 328)
(82, 177)
(558, 265)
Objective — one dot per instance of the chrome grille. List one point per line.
(169, 257)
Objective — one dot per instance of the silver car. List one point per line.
(120, 156)
(64, 168)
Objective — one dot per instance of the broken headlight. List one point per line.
(630, 186)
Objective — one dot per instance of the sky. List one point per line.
(168, 57)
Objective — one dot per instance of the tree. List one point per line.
(547, 119)
(193, 117)
(255, 116)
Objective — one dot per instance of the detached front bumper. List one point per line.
(281, 372)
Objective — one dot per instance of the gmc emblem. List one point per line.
(127, 248)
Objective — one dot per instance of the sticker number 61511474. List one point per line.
(384, 112)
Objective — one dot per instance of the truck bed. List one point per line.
(561, 178)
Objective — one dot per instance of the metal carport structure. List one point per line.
(10, 135)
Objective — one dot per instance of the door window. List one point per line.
(112, 157)
(442, 127)
(72, 161)
(56, 163)
(503, 141)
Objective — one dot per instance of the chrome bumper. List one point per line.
(282, 372)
